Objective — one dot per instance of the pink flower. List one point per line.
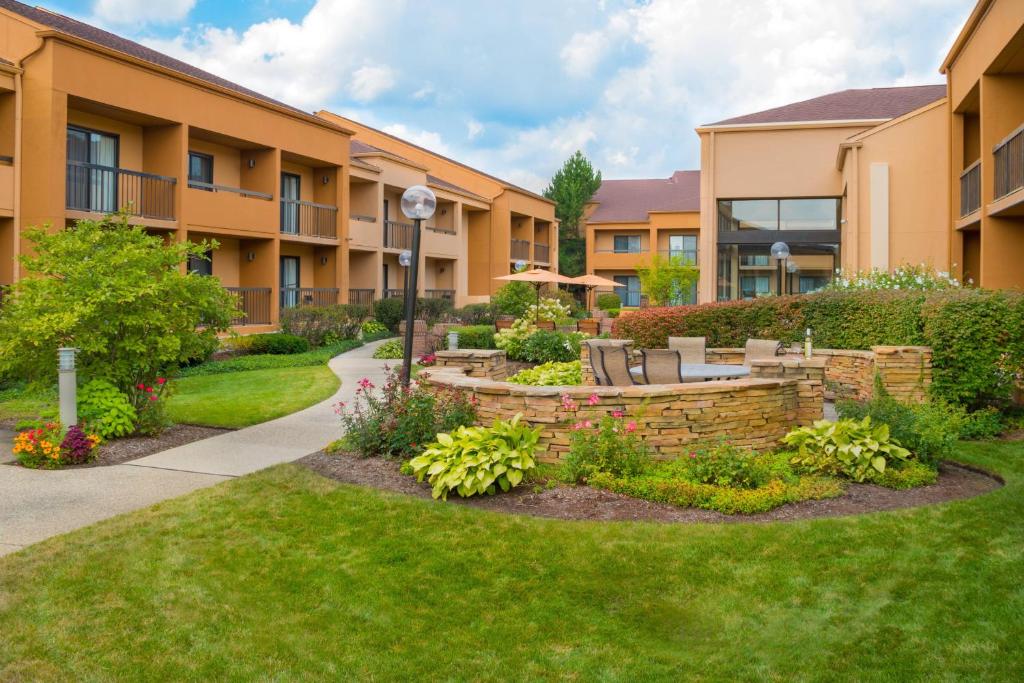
(152, 398)
(140, 386)
(593, 400)
(588, 424)
(578, 426)
(617, 413)
(692, 455)
(631, 426)
(567, 403)
(149, 390)
(365, 383)
(161, 380)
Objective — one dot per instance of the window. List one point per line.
(201, 265)
(812, 283)
(748, 214)
(736, 215)
(92, 170)
(746, 271)
(626, 244)
(755, 260)
(200, 170)
(630, 294)
(753, 286)
(809, 214)
(290, 192)
(683, 245)
(289, 281)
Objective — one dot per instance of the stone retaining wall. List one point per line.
(486, 363)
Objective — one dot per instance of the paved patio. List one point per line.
(38, 504)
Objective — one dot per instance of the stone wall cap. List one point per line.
(470, 353)
(886, 350)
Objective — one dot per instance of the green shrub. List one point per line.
(850, 448)
(905, 277)
(475, 314)
(277, 344)
(389, 312)
(267, 361)
(986, 423)
(928, 430)
(546, 346)
(609, 302)
(726, 465)
(392, 349)
(550, 375)
(566, 298)
(477, 460)
(906, 475)
(372, 330)
(433, 310)
(475, 336)
(321, 325)
(106, 409)
(611, 445)
(513, 299)
(513, 339)
(392, 421)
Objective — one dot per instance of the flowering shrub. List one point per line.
(611, 444)
(920, 277)
(50, 447)
(150, 402)
(427, 360)
(726, 465)
(513, 339)
(397, 421)
(550, 374)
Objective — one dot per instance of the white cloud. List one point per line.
(368, 82)
(432, 140)
(128, 12)
(473, 129)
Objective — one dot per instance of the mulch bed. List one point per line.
(584, 503)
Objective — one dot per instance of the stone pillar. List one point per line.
(420, 343)
(904, 371)
(810, 377)
(486, 363)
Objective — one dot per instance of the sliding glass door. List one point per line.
(289, 281)
(92, 170)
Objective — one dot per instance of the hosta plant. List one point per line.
(857, 449)
(551, 374)
(477, 460)
(107, 409)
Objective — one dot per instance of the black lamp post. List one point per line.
(418, 203)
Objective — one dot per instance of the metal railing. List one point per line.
(688, 255)
(394, 293)
(294, 297)
(541, 253)
(362, 217)
(254, 302)
(520, 249)
(448, 294)
(212, 187)
(1009, 163)
(970, 189)
(106, 189)
(361, 297)
(309, 219)
(397, 235)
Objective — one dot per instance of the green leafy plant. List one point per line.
(928, 430)
(373, 329)
(546, 346)
(119, 295)
(475, 314)
(550, 374)
(513, 298)
(277, 344)
(666, 280)
(726, 465)
(389, 312)
(392, 349)
(106, 409)
(321, 325)
(610, 445)
(609, 302)
(852, 448)
(986, 423)
(478, 460)
(475, 336)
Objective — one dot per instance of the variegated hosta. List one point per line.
(475, 460)
(854, 448)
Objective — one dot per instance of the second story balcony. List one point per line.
(970, 189)
(1008, 161)
(541, 253)
(397, 235)
(97, 188)
(309, 219)
(519, 250)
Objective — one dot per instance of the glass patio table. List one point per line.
(704, 371)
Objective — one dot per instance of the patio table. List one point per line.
(704, 371)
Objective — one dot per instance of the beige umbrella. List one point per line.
(537, 277)
(591, 281)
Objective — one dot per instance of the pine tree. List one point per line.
(571, 188)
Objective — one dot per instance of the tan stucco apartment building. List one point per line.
(864, 178)
(304, 214)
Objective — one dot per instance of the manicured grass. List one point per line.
(240, 399)
(266, 361)
(284, 575)
(27, 403)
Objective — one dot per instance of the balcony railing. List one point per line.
(448, 294)
(520, 250)
(309, 219)
(212, 187)
(363, 217)
(254, 302)
(970, 189)
(1009, 163)
(360, 297)
(106, 189)
(443, 231)
(397, 235)
(297, 297)
(629, 298)
(688, 255)
(541, 253)
(394, 293)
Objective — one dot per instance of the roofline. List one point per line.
(359, 163)
(462, 193)
(390, 156)
(977, 14)
(504, 183)
(857, 140)
(783, 125)
(54, 34)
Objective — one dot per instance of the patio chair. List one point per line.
(761, 349)
(661, 366)
(595, 361)
(615, 365)
(691, 349)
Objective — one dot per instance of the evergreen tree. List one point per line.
(571, 187)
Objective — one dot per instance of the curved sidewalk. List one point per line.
(35, 504)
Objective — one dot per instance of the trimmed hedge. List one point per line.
(475, 336)
(318, 356)
(977, 336)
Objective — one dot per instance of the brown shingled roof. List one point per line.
(847, 105)
(631, 200)
(78, 29)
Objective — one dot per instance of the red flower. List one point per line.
(149, 390)
(140, 386)
(152, 398)
(160, 380)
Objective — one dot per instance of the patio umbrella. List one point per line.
(591, 281)
(537, 277)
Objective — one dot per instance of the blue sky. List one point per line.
(514, 87)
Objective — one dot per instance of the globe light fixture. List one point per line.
(520, 265)
(418, 202)
(405, 258)
(792, 267)
(780, 251)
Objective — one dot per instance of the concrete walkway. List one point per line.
(38, 504)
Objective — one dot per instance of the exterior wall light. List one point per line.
(323, 260)
(252, 163)
(419, 204)
(251, 256)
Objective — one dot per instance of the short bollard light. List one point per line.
(68, 386)
(453, 341)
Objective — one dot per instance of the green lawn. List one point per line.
(240, 399)
(285, 575)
